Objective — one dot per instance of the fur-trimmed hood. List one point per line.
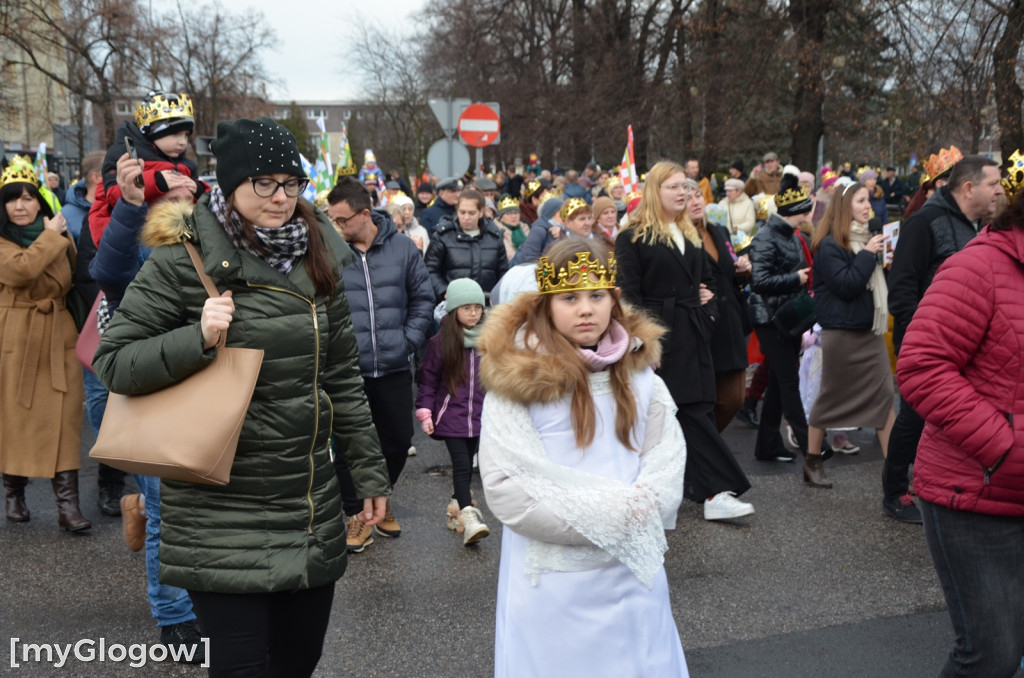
(510, 370)
(166, 223)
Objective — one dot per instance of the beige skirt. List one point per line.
(856, 384)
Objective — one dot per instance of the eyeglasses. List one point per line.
(265, 187)
(340, 222)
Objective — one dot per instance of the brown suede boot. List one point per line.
(17, 511)
(69, 516)
(814, 472)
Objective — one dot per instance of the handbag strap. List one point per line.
(211, 289)
(197, 261)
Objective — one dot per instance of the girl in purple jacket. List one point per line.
(450, 399)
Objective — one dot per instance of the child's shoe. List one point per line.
(452, 511)
(472, 525)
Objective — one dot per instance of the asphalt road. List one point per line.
(817, 583)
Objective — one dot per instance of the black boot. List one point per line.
(17, 511)
(69, 516)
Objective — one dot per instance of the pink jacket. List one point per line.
(962, 368)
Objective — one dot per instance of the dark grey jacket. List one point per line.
(389, 298)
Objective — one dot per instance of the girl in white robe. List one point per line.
(582, 460)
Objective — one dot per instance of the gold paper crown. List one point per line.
(508, 202)
(320, 200)
(347, 170)
(763, 206)
(1015, 176)
(531, 188)
(577, 275)
(633, 194)
(571, 206)
(19, 171)
(863, 169)
(792, 196)
(828, 173)
(942, 161)
(158, 107)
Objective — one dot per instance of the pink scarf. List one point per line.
(610, 349)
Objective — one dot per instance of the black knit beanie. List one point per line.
(792, 198)
(253, 148)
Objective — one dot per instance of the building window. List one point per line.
(123, 108)
(314, 113)
(280, 114)
(359, 115)
(348, 113)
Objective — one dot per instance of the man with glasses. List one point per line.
(391, 304)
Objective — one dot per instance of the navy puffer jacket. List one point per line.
(390, 299)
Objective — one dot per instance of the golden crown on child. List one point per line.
(160, 107)
(583, 273)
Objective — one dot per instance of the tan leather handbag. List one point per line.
(188, 431)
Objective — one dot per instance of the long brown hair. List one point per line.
(453, 352)
(549, 340)
(838, 217)
(319, 264)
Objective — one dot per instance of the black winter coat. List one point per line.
(666, 283)
(454, 254)
(431, 217)
(390, 300)
(930, 236)
(842, 300)
(728, 341)
(775, 256)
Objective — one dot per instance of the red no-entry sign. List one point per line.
(479, 125)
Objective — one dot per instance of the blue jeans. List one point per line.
(980, 562)
(96, 405)
(170, 605)
(95, 399)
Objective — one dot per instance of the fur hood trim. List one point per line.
(166, 223)
(512, 371)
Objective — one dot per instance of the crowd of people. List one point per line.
(583, 347)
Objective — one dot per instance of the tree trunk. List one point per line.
(808, 18)
(1008, 94)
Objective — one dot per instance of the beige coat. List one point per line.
(41, 390)
(742, 214)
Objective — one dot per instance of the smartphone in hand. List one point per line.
(129, 146)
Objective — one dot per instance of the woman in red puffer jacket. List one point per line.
(962, 368)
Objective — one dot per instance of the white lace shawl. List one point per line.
(618, 521)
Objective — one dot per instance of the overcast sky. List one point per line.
(311, 47)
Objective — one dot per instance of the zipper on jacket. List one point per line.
(995, 467)
(444, 408)
(373, 320)
(472, 383)
(316, 395)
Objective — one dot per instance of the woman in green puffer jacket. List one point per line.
(258, 556)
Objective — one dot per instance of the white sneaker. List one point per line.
(791, 437)
(412, 451)
(473, 524)
(724, 506)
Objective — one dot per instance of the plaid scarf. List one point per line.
(280, 247)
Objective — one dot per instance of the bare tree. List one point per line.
(400, 126)
(215, 56)
(98, 41)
